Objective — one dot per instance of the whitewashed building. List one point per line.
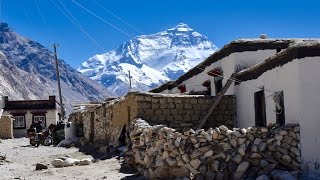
(26, 112)
(277, 81)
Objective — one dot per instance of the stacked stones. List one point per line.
(218, 153)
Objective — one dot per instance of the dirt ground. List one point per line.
(23, 158)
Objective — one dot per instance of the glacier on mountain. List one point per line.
(151, 59)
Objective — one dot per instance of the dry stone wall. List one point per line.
(6, 127)
(218, 153)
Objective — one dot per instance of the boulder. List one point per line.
(286, 158)
(40, 166)
(241, 170)
(223, 128)
(210, 175)
(195, 163)
(71, 162)
(84, 162)
(161, 172)
(263, 177)
(180, 172)
(172, 161)
(58, 163)
(263, 146)
(282, 175)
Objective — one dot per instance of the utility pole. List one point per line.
(59, 86)
(129, 81)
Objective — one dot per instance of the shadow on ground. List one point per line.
(94, 151)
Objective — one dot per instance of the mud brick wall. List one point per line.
(183, 112)
(104, 123)
(6, 127)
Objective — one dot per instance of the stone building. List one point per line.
(104, 123)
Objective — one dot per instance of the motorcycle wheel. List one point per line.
(47, 141)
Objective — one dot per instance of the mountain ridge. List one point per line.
(31, 59)
(151, 59)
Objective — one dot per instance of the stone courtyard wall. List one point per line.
(218, 153)
(6, 127)
(182, 112)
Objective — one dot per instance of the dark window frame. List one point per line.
(44, 123)
(260, 108)
(24, 118)
(218, 84)
(280, 114)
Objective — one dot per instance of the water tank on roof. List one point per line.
(263, 36)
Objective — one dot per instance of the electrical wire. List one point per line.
(1, 10)
(117, 17)
(103, 20)
(38, 9)
(74, 21)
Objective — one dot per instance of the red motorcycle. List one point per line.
(37, 138)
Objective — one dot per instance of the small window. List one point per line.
(218, 84)
(279, 101)
(40, 118)
(19, 122)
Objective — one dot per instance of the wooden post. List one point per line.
(62, 113)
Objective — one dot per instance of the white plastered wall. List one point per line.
(299, 81)
(51, 118)
(310, 111)
(244, 59)
(278, 79)
(228, 65)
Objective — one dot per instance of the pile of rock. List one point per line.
(69, 161)
(3, 160)
(219, 153)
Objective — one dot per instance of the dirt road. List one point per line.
(23, 158)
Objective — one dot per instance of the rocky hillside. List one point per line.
(28, 72)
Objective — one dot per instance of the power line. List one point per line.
(117, 17)
(72, 19)
(38, 9)
(1, 10)
(106, 22)
(82, 28)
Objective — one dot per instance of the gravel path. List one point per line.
(23, 158)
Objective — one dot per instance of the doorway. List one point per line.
(260, 108)
(91, 136)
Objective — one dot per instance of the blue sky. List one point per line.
(221, 21)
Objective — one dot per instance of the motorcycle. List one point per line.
(37, 138)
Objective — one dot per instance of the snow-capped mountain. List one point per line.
(151, 59)
(27, 71)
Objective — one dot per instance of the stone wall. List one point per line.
(182, 112)
(218, 153)
(6, 127)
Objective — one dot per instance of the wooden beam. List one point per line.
(217, 99)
